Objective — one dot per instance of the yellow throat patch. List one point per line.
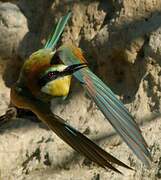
(58, 87)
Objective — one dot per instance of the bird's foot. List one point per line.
(9, 115)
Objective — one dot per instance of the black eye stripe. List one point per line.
(51, 75)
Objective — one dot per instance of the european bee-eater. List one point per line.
(39, 81)
(42, 78)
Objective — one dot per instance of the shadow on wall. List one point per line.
(35, 13)
(118, 65)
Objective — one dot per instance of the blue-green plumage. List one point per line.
(56, 32)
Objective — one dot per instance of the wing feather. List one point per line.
(112, 108)
(56, 32)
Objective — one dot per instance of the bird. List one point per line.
(47, 74)
(112, 108)
(39, 82)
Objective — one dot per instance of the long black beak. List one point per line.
(51, 75)
(72, 69)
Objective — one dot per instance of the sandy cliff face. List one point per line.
(122, 43)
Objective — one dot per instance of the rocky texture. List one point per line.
(50, 158)
(121, 41)
(13, 27)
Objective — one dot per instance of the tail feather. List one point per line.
(78, 141)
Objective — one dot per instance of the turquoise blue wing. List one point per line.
(112, 108)
(56, 32)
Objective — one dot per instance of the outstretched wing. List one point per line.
(112, 108)
(75, 139)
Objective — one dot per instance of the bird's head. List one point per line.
(43, 78)
(55, 80)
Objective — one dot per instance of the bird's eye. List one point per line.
(50, 75)
(53, 74)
